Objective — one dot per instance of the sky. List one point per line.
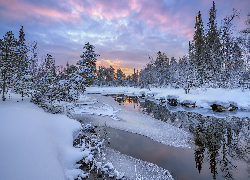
(124, 32)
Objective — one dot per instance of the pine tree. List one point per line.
(7, 62)
(227, 42)
(246, 52)
(146, 75)
(199, 42)
(213, 50)
(47, 88)
(110, 76)
(173, 72)
(161, 69)
(119, 77)
(192, 75)
(87, 64)
(101, 76)
(135, 79)
(22, 80)
(33, 59)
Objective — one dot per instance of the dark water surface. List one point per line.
(222, 145)
(180, 162)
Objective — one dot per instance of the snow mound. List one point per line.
(103, 110)
(202, 98)
(35, 144)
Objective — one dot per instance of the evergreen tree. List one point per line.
(213, 50)
(192, 75)
(227, 42)
(161, 73)
(7, 62)
(199, 42)
(184, 73)
(22, 78)
(119, 76)
(87, 64)
(135, 79)
(173, 72)
(47, 88)
(74, 86)
(101, 76)
(246, 52)
(146, 76)
(110, 76)
(33, 62)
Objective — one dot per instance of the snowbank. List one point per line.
(35, 144)
(201, 98)
(120, 117)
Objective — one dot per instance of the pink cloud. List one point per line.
(45, 13)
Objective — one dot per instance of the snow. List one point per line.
(134, 169)
(104, 110)
(120, 117)
(38, 145)
(35, 144)
(202, 99)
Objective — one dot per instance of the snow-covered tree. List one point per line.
(22, 79)
(119, 77)
(87, 66)
(110, 76)
(198, 45)
(47, 88)
(7, 62)
(33, 59)
(228, 42)
(101, 76)
(135, 79)
(212, 49)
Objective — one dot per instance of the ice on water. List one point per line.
(131, 121)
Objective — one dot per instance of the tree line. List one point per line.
(217, 58)
(44, 82)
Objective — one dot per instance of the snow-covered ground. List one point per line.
(38, 145)
(35, 144)
(201, 97)
(120, 117)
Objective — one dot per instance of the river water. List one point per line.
(221, 146)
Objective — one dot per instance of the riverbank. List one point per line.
(227, 102)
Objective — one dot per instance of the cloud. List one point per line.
(124, 31)
(33, 12)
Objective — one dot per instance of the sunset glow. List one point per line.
(115, 64)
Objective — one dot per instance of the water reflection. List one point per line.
(220, 142)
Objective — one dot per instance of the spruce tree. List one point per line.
(33, 59)
(87, 64)
(213, 50)
(7, 62)
(22, 81)
(110, 76)
(47, 88)
(101, 76)
(119, 76)
(227, 42)
(135, 78)
(199, 42)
